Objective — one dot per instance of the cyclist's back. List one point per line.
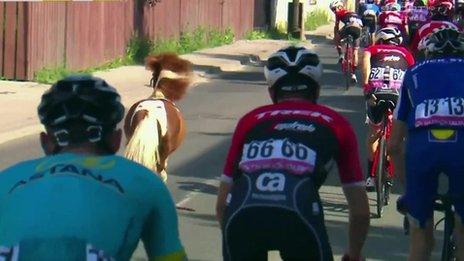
(81, 202)
(75, 207)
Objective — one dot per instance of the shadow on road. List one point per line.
(197, 187)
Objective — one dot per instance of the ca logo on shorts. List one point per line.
(271, 182)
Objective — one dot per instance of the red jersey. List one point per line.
(348, 18)
(294, 137)
(428, 28)
(388, 65)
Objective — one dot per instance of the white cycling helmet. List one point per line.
(335, 4)
(292, 69)
(392, 7)
(444, 42)
(389, 35)
(369, 12)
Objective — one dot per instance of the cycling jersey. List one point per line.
(426, 29)
(348, 18)
(369, 7)
(299, 138)
(433, 109)
(76, 207)
(423, 104)
(393, 19)
(279, 157)
(388, 65)
(418, 14)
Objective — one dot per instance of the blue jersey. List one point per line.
(365, 7)
(432, 94)
(76, 207)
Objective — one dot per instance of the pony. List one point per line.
(154, 127)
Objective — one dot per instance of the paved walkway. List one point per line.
(19, 100)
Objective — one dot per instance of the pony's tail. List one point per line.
(143, 145)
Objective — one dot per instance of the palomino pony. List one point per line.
(154, 127)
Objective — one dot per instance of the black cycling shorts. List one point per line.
(376, 113)
(273, 211)
(354, 31)
(370, 22)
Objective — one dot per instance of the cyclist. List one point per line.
(392, 17)
(352, 26)
(81, 201)
(383, 69)
(430, 113)
(459, 13)
(369, 12)
(279, 157)
(441, 17)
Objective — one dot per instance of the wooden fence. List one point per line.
(34, 35)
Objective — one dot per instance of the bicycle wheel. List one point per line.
(380, 177)
(447, 252)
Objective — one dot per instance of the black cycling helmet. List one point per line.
(82, 99)
(444, 42)
(292, 69)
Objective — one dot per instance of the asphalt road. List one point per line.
(212, 110)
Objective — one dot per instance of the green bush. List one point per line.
(272, 33)
(137, 49)
(315, 19)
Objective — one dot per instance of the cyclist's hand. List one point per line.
(371, 99)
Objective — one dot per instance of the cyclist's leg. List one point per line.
(373, 120)
(421, 189)
(455, 171)
(242, 238)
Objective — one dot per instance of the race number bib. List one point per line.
(295, 158)
(418, 14)
(447, 111)
(386, 78)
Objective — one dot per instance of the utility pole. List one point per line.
(295, 19)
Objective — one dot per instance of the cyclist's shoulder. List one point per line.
(431, 65)
(19, 169)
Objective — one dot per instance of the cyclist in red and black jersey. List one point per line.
(352, 25)
(384, 65)
(279, 157)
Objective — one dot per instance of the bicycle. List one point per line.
(442, 204)
(348, 60)
(382, 167)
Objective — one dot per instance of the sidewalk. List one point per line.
(19, 100)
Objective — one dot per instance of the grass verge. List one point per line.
(315, 19)
(138, 48)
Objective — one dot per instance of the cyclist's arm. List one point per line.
(366, 68)
(224, 188)
(160, 233)
(395, 144)
(353, 186)
(358, 220)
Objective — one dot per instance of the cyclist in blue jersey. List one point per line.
(369, 11)
(82, 202)
(430, 113)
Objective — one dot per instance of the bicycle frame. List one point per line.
(385, 133)
(348, 61)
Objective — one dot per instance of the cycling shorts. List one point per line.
(274, 211)
(352, 30)
(370, 22)
(422, 170)
(376, 113)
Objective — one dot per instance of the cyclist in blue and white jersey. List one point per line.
(430, 113)
(82, 202)
(369, 12)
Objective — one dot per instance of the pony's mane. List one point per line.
(172, 62)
